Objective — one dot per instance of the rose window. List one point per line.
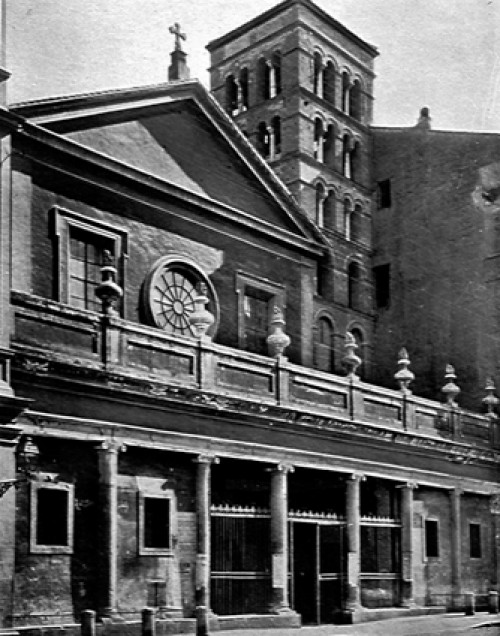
(170, 292)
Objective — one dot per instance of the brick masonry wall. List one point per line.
(440, 238)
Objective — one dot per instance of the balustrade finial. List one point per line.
(201, 319)
(491, 399)
(351, 361)
(108, 291)
(278, 340)
(404, 376)
(450, 389)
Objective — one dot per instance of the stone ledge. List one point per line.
(364, 615)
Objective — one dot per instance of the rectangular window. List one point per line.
(86, 257)
(384, 198)
(80, 244)
(155, 522)
(431, 538)
(157, 594)
(382, 277)
(256, 304)
(475, 540)
(51, 528)
(257, 298)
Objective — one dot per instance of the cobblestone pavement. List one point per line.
(437, 625)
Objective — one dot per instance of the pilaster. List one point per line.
(353, 490)
(456, 545)
(407, 544)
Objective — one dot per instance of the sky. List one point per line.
(443, 54)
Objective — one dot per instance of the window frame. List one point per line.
(153, 489)
(275, 291)
(426, 543)
(479, 555)
(384, 194)
(35, 488)
(382, 283)
(63, 221)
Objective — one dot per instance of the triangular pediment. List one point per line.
(184, 139)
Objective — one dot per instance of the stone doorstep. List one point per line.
(256, 621)
(364, 615)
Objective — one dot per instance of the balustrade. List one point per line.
(48, 333)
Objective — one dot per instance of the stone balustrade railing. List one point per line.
(46, 332)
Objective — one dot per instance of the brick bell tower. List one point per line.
(300, 86)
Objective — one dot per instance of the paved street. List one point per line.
(437, 625)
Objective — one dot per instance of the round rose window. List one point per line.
(170, 291)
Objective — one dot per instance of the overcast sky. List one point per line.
(444, 54)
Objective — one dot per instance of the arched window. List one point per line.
(324, 353)
(329, 211)
(243, 79)
(275, 75)
(262, 80)
(318, 139)
(320, 202)
(329, 83)
(346, 83)
(318, 75)
(347, 218)
(354, 285)
(263, 141)
(346, 156)
(329, 146)
(276, 128)
(355, 100)
(354, 161)
(231, 95)
(356, 223)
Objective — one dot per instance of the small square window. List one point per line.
(475, 540)
(156, 523)
(51, 528)
(384, 198)
(157, 594)
(431, 538)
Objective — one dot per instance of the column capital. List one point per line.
(111, 446)
(359, 477)
(206, 459)
(282, 467)
(456, 491)
(410, 485)
(495, 504)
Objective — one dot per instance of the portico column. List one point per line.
(108, 470)
(203, 500)
(353, 542)
(456, 547)
(407, 543)
(495, 523)
(279, 538)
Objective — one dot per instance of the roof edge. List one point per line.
(273, 11)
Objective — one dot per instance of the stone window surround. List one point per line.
(35, 487)
(154, 489)
(244, 281)
(63, 221)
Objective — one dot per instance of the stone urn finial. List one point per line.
(278, 340)
(450, 389)
(351, 361)
(201, 319)
(491, 399)
(403, 375)
(108, 291)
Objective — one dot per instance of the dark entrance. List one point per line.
(317, 568)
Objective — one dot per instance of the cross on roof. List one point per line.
(176, 30)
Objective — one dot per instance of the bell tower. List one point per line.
(300, 86)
